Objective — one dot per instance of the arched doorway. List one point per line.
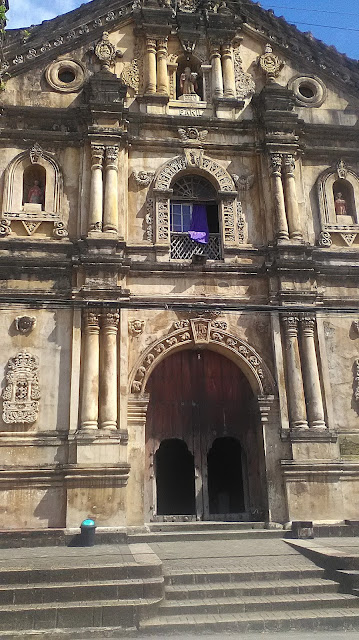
(202, 412)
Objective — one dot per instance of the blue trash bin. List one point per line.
(88, 528)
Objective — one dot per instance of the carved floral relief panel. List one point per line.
(22, 392)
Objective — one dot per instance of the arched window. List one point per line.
(194, 222)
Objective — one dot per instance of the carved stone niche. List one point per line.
(22, 392)
(33, 192)
(338, 196)
(194, 161)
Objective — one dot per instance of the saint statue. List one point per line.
(36, 194)
(340, 204)
(188, 82)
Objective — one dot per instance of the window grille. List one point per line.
(194, 187)
(182, 247)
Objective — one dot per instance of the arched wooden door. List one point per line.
(202, 409)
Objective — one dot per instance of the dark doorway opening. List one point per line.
(174, 467)
(225, 477)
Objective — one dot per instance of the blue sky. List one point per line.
(326, 19)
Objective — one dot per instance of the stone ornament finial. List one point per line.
(270, 64)
(25, 324)
(106, 52)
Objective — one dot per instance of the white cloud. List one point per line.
(22, 13)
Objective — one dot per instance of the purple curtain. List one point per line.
(198, 230)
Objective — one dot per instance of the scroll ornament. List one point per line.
(22, 393)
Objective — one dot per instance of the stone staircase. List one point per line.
(235, 600)
(68, 596)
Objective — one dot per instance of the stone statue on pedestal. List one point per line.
(341, 208)
(188, 82)
(36, 194)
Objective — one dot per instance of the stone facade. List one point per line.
(104, 111)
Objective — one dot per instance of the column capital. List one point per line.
(151, 42)
(112, 157)
(275, 163)
(307, 322)
(289, 163)
(97, 155)
(290, 324)
(92, 320)
(110, 319)
(162, 43)
(215, 47)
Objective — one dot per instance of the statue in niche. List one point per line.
(36, 194)
(340, 203)
(188, 82)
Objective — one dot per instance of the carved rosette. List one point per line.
(201, 331)
(270, 64)
(22, 393)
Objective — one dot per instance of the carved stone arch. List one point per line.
(332, 225)
(13, 191)
(194, 161)
(187, 334)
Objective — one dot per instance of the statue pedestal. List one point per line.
(31, 207)
(189, 97)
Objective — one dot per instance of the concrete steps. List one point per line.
(239, 600)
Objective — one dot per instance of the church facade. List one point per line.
(179, 253)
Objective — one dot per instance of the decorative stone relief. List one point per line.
(245, 85)
(325, 239)
(60, 230)
(244, 182)
(149, 219)
(22, 393)
(106, 52)
(162, 205)
(270, 64)
(25, 324)
(143, 178)
(355, 325)
(228, 215)
(5, 228)
(133, 71)
(187, 6)
(240, 222)
(136, 327)
(356, 379)
(195, 159)
(36, 152)
(201, 331)
(192, 134)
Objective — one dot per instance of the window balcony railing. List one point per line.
(183, 248)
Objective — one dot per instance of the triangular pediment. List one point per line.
(38, 45)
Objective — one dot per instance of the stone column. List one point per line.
(217, 79)
(90, 371)
(295, 391)
(313, 392)
(108, 371)
(110, 215)
(291, 198)
(96, 192)
(278, 194)
(229, 81)
(151, 65)
(162, 73)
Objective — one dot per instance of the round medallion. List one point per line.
(66, 76)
